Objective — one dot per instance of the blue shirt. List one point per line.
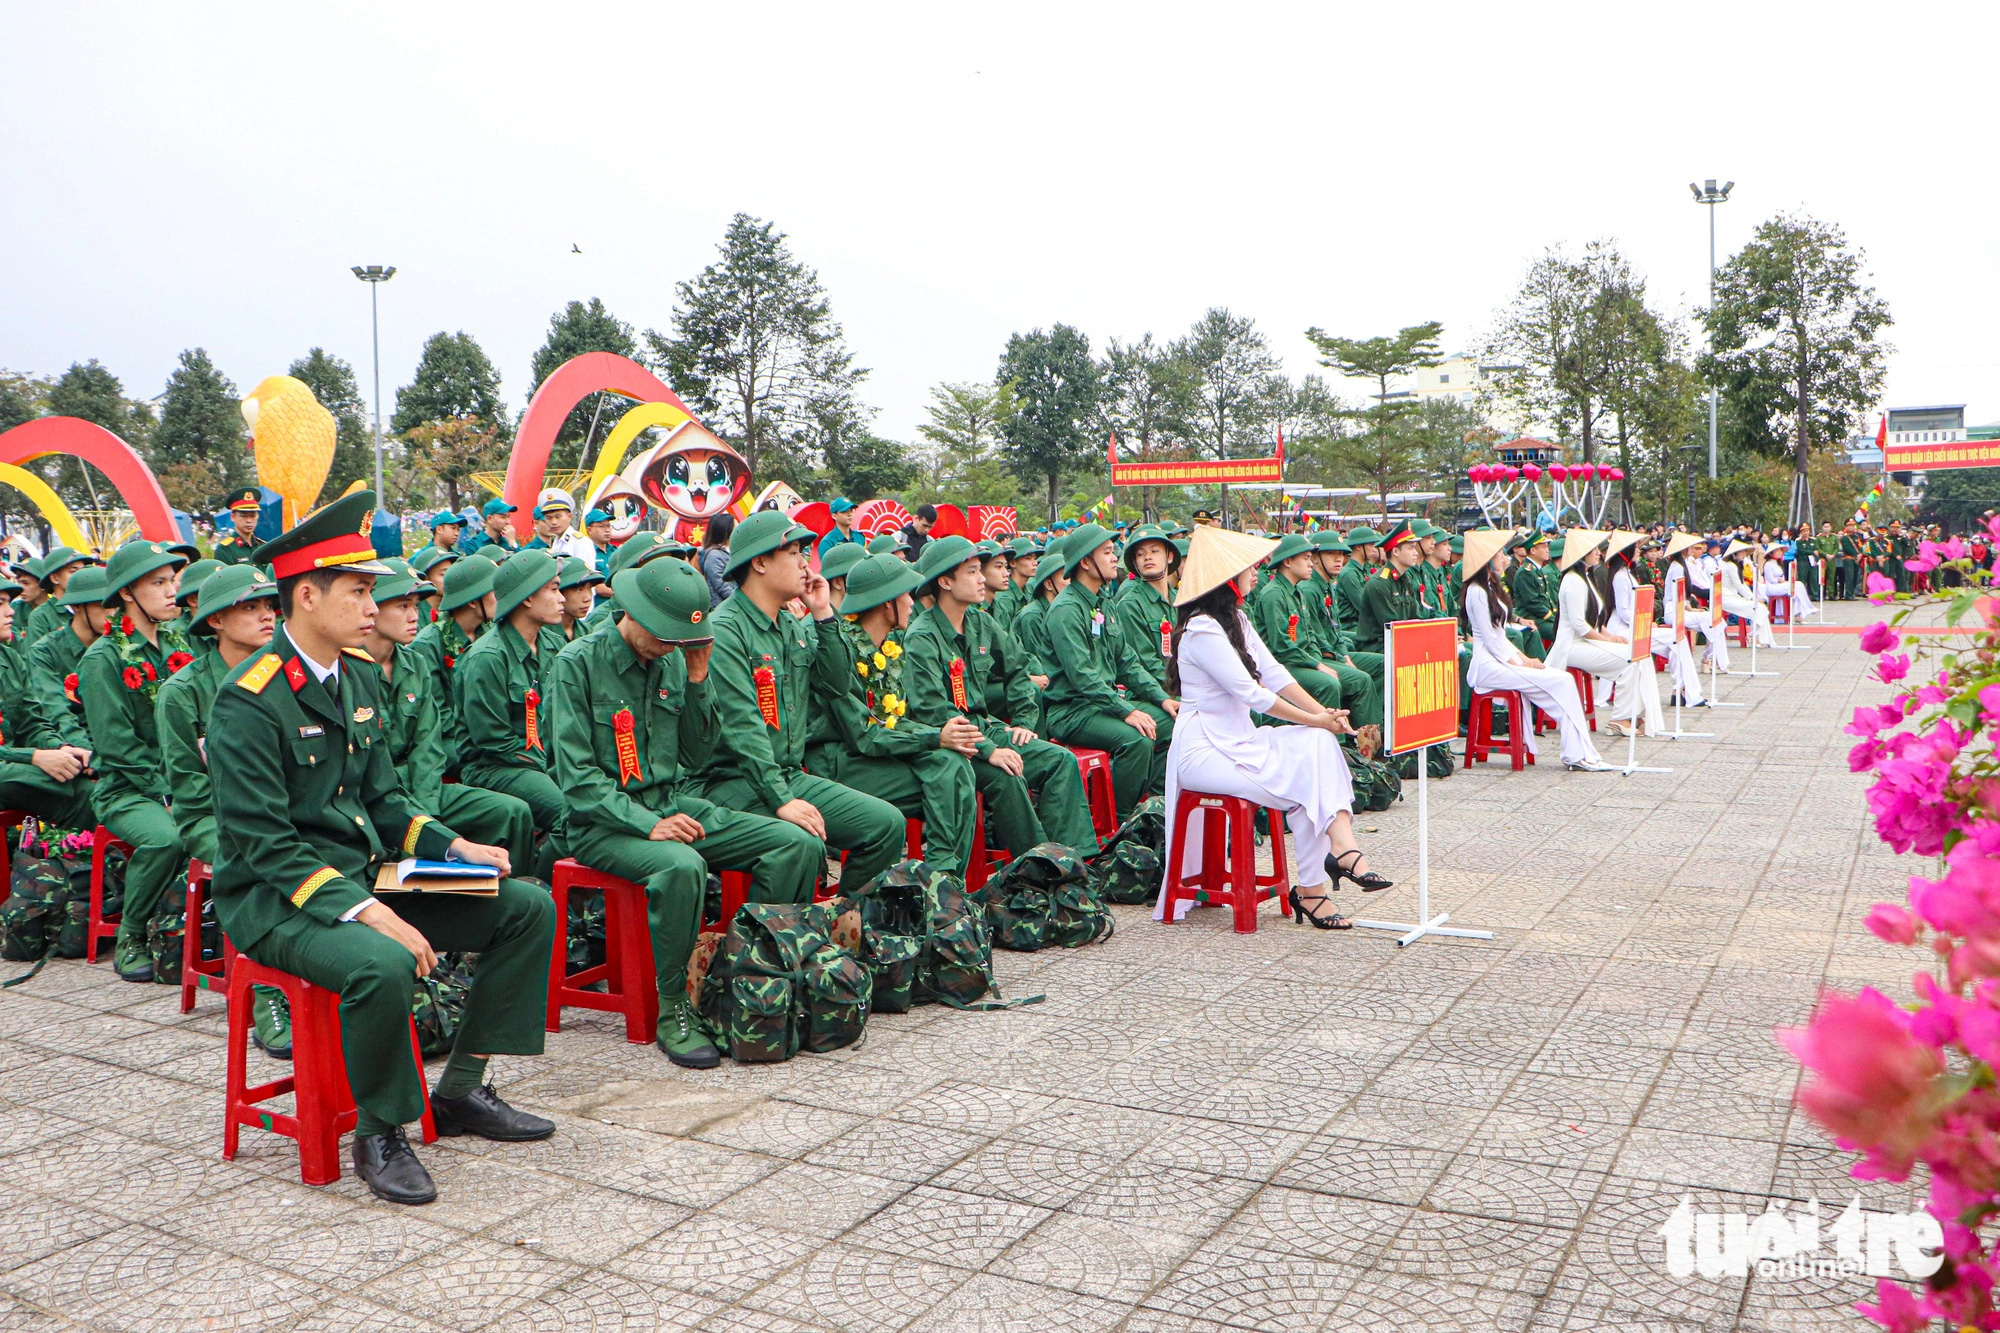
(836, 538)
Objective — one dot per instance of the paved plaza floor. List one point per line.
(1196, 1132)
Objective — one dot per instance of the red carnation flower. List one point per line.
(125, 625)
(133, 680)
(175, 661)
(450, 661)
(151, 674)
(70, 683)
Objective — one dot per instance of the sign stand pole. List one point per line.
(1632, 764)
(1714, 702)
(1425, 924)
(1682, 636)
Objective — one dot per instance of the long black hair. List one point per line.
(1602, 602)
(1222, 603)
(1499, 603)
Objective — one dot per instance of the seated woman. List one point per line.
(1733, 582)
(1582, 611)
(1499, 665)
(1777, 583)
(1639, 713)
(1222, 673)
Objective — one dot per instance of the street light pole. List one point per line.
(1707, 193)
(375, 275)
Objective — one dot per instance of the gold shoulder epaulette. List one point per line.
(260, 673)
(357, 652)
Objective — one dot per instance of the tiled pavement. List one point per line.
(1196, 1132)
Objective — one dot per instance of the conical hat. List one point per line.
(1215, 556)
(1481, 545)
(1579, 542)
(1736, 546)
(1682, 541)
(1623, 539)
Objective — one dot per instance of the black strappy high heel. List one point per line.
(1370, 882)
(1300, 914)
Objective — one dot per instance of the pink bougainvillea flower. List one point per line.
(1930, 696)
(1872, 1086)
(1881, 588)
(1892, 667)
(1879, 638)
(1897, 1310)
(1896, 925)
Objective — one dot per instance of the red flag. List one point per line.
(1112, 449)
(1882, 437)
(1281, 446)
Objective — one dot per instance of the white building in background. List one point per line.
(1469, 380)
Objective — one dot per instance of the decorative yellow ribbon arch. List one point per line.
(63, 523)
(611, 455)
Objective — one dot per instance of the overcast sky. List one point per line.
(173, 176)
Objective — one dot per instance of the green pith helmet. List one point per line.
(492, 552)
(192, 578)
(1363, 536)
(430, 558)
(388, 587)
(879, 579)
(886, 544)
(1289, 545)
(575, 572)
(519, 577)
(467, 582)
(940, 555)
(628, 554)
(55, 561)
(989, 550)
(232, 585)
(842, 559)
(668, 599)
(760, 534)
(1150, 533)
(84, 588)
(1329, 539)
(1026, 548)
(1080, 542)
(1054, 562)
(135, 560)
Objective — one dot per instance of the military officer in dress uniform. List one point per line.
(1099, 697)
(1285, 619)
(246, 506)
(768, 664)
(635, 716)
(236, 610)
(501, 690)
(309, 809)
(949, 659)
(1390, 593)
(120, 676)
(1533, 599)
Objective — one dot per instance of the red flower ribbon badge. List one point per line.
(958, 683)
(1292, 627)
(767, 694)
(533, 700)
(1166, 638)
(175, 661)
(147, 667)
(70, 682)
(133, 680)
(628, 746)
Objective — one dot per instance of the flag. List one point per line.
(1102, 506)
(1882, 438)
(1111, 449)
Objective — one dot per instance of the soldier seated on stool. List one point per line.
(40, 771)
(55, 570)
(308, 809)
(235, 612)
(635, 717)
(52, 661)
(501, 687)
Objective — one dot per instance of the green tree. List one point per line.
(1056, 388)
(1796, 331)
(15, 407)
(454, 379)
(1559, 335)
(332, 382)
(446, 453)
(962, 436)
(757, 352)
(1228, 363)
(89, 391)
(575, 329)
(1389, 449)
(1149, 394)
(864, 465)
(201, 432)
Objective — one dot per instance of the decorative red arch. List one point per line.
(78, 438)
(569, 384)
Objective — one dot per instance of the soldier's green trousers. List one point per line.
(1138, 766)
(491, 817)
(544, 800)
(1059, 811)
(377, 980)
(157, 859)
(1359, 694)
(936, 788)
(784, 862)
(1808, 571)
(1847, 579)
(869, 829)
(64, 805)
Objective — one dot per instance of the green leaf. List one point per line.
(1959, 606)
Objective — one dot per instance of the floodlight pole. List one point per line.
(375, 275)
(1707, 193)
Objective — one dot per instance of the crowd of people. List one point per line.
(300, 713)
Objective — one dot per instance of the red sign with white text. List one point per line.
(1420, 665)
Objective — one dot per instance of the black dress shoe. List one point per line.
(482, 1112)
(390, 1169)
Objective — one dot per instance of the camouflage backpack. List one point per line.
(41, 913)
(439, 1004)
(1043, 897)
(1376, 785)
(779, 983)
(1128, 867)
(923, 940)
(1438, 760)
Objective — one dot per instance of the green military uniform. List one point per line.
(1533, 598)
(765, 670)
(1145, 616)
(232, 550)
(1285, 621)
(1360, 693)
(947, 673)
(1848, 550)
(434, 656)
(1016, 595)
(1091, 663)
(52, 666)
(629, 736)
(1389, 594)
(1348, 587)
(1901, 548)
(861, 736)
(119, 678)
(501, 689)
(23, 730)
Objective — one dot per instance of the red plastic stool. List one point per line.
(1479, 740)
(9, 819)
(631, 984)
(1095, 768)
(101, 927)
(196, 973)
(1228, 857)
(980, 862)
(1586, 690)
(1741, 629)
(318, 1081)
(1781, 608)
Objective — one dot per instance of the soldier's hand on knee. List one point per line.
(377, 917)
(805, 814)
(1007, 761)
(1142, 722)
(677, 828)
(959, 734)
(1022, 735)
(62, 765)
(480, 854)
